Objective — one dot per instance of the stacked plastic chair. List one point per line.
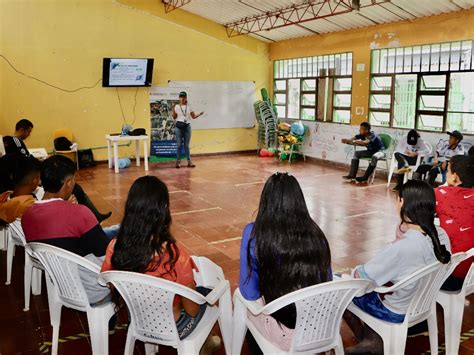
(267, 125)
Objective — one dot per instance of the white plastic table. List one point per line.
(114, 141)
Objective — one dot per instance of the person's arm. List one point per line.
(173, 112)
(422, 148)
(94, 241)
(4, 196)
(248, 281)
(383, 267)
(194, 116)
(189, 306)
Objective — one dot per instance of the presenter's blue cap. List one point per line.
(183, 94)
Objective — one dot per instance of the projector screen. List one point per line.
(127, 72)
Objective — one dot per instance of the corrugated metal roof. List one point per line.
(227, 11)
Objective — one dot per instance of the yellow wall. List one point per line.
(434, 29)
(63, 42)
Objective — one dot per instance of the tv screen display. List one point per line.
(127, 72)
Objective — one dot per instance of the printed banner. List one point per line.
(163, 136)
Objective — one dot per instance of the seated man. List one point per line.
(15, 145)
(64, 224)
(444, 151)
(373, 143)
(406, 154)
(26, 177)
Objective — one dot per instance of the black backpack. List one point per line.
(62, 143)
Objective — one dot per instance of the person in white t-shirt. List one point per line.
(422, 244)
(183, 114)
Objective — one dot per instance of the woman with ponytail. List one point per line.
(422, 244)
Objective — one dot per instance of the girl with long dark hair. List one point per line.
(421, 244)
(284, 250)
(144, 244)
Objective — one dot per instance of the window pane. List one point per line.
(455, 55)
(431, 103)
(309, 85)
(433, 82)
(461, 92)
(399, 61)
(293, 98)
(461, 121)
(308, 100)
(308, 113)
(280, 111)
(391, 61)
(379, 118)
(416, 59)
(435, 52)
(343, 84)
(342, 100)
(444, 61)
(405, 101)
(425, 58)
(380, 101)
(383, 60)
(430, 122)
(280, 85)
(349, 64)
(344, 64)
(280, 99)
(408, 60)
(381, 83)
(341, 116)
(466, 53)
(375, 61)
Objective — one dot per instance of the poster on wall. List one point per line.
(163, 137)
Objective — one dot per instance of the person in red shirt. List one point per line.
(455, 209)
(144, 244)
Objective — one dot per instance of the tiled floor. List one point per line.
(211, 204)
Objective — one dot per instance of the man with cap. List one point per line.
(406, 153)
(183, 113)
(444, 151)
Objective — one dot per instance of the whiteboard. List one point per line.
(226, 104)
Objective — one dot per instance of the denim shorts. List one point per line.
(371, 304)
(186, 324)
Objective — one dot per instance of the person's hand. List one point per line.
(346, 141)
(444, 166)
(435, 162)
(202, 113)
(4, 196)
(73, 199)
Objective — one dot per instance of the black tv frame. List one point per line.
(106, 73)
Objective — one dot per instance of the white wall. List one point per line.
(324, 140)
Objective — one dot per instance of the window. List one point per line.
(428, 87)
(314, 88)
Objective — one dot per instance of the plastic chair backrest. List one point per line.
(63, 268)
(319, 311)
(468, 286)
(63, 132)
(387, 140)
(17, 233)
(429, 281)
(209, 274)
(150, 302)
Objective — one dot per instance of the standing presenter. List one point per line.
(183, 114)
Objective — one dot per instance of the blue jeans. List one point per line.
(183, 134)
(371, 304)
(112, 231)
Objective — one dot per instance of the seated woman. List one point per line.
(144, 244)
(282, 251)
(422, 244)
(455, 209)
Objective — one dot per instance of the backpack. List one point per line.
(62, 143)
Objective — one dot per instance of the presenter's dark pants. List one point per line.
(183, 135)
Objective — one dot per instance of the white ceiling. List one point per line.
(226, 11)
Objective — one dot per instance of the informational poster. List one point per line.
(163, 136)
(127, 72)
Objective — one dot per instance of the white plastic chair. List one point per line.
(211, 276)
(453, 307)
(65, 288)
(150, 303)
(422, 306)
(33, 268)
(4, 238)
(319, 311)
(419, 160)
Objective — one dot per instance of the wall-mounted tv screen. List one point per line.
(127, 72)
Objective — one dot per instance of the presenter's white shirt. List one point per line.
(183, 112)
